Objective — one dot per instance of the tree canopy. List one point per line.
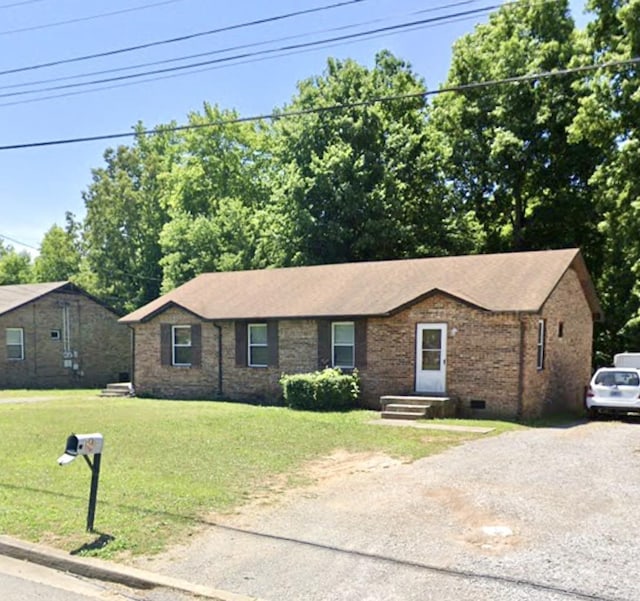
(360, 165)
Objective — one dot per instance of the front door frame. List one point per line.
(431, 380)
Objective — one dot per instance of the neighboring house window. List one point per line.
(541, 336)
(343, 344)
(258, 345)
(15, 344)
(181, 337)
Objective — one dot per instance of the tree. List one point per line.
(610, 117)
(213, 194)
(15, 267)
(508, 154)
(125, 216)
(192, 245)
(60, 258)
(356, 181)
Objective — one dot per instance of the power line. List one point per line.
(3, 237)
(342, 38)
(14, 4)
(215, 67)
(89, 18)
(336, 107)
(184, 37)
(223, 50)
(231, 61)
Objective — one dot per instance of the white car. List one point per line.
(614, 390)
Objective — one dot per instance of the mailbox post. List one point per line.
(85, 445)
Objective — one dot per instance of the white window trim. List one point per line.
(175, 345)
(333, 343)
(252, 345)
(21, 330)
(540, 346)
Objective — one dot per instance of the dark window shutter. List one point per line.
(360, 327)
(324, 343)
(241, 344)
(272, 342)
(196, 345)
(165, 344)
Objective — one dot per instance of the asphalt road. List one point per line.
(544, 514)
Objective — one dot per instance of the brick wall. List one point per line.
(152, 378)
(297, 353)
(482, 354)
(100, 346)
(473, 371)
(567, 367)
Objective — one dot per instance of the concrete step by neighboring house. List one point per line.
(416, 407)
(119, 389)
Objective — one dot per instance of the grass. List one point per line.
(166, 464)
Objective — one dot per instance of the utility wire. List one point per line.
(215, 67)
(336, 107)
(3, 237)
(89, 18)
(227, 49)
(342, 38)
(14, 4)
(242, 62)
(184, 37)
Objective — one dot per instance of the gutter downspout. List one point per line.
(521, 363)
(219, 329)
(132, 356)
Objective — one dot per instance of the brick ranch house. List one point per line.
(505, 334)
(58, 336)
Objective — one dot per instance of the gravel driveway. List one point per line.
(542, 514)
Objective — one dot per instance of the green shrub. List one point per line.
(326, 390)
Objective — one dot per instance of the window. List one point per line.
(15, 344)
(256, 344)
(343, 344)
(258, 350)
(617, 378)
(181, 345)
(560, 329)
(55, 334)
(540, 354)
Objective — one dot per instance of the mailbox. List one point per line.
(85, 445)
(81, 444)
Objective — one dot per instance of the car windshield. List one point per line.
(618, 378)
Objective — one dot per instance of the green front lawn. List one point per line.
(166, 464)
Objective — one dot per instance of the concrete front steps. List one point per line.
(119, 389)
(416, 407)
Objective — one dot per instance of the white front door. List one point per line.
(431, 357)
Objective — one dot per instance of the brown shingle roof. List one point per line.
(14, 296)
(497, 282)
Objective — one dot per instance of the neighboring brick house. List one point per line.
(505, 334)
(57, 336)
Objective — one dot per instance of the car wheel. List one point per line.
(593, 413)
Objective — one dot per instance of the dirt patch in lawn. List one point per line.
(305, 482)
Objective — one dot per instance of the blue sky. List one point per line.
(38, 185)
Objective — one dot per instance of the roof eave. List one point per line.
(161, 309)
